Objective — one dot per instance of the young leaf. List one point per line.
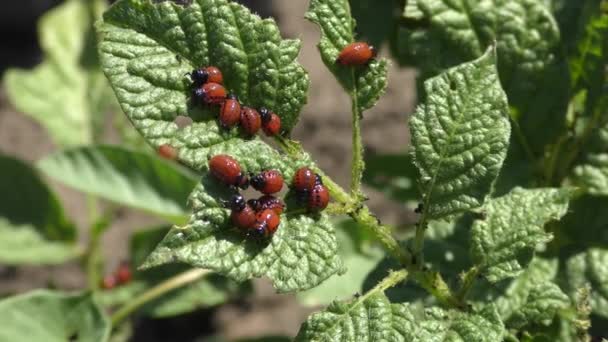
(589, 268)
(66, 91)
(532, 298)
(209, 291)
(460, 136)
(33, 226)
(52, 316)
(374, 318)
(146, 50)
(503, 242)
(531, 64)
(366, 83)
(130, 178)
(301, 254)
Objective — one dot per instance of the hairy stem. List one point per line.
(394, 278)
(170, 284)
(434, 284)
(358, 164)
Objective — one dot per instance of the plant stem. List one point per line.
(434, 284)
(157, 291)
(93, 252)
(383, 234)
(394, 278)
(358, 164)
(523, 141)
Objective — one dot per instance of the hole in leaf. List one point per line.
(452, 85)
(73, 337)
(183, 121)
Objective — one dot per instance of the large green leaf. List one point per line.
(52, 317)
(589, 268)
(460, 135)
(533, 297)
(147, 48)
(301, 255)
(503, 243)
(209, 291)
(358, 260)
(125, 177)
(365, 84)
(531, 63)
(374, 318)
(67, 91)
(33, 226)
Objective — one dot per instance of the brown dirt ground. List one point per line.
(324, 130)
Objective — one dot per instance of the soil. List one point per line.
(324, 131)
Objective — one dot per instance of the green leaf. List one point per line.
(589, 268)
(301, 254)
(359, 261)
(503, 243)
(25, 244)
(394, 175)
(69, 72)
(460, 136)
(365, 84)
(130, 178)
(532, 298)
(52, 317)
(531, 64)
(33, 226)
(209, 291)
(374, 318)
(147, 48)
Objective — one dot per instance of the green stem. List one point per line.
(434, 284)
(394, 278)
(157, 291)
(93, 251)
(383, 234)
(358, 164)
(523, 141)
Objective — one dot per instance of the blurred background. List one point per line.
(324, 130)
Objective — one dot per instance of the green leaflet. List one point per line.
(52, 317)
(80, 93)
(532, 68)
(147, 48)
(130, 178)
(365, 84)
(33, 225)
(503, 243)
(375, 318)
(301, 255)
(533, 297)
(209, 291)
(589, 268)
(460, 136)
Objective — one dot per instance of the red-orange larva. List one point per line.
(358, 53)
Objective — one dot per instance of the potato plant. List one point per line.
(508, 168)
